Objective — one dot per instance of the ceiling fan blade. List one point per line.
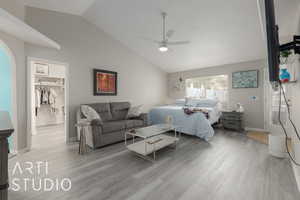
(178, 42)
(150, 40)
(170, 33)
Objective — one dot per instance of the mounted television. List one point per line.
(273, 41)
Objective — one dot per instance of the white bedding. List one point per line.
(194, 124)
(213, 113)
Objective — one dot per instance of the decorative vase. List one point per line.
(284, 75)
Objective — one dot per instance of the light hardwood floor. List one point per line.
(230, 167)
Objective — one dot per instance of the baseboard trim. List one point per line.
(17, 153)
(12, 154)
(22, 151)
(72, 139)
(255, 129)
(296, 170)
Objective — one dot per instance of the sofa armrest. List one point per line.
(96, 127)
(144, 117)
(96, 122)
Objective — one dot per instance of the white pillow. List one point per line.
(191, 102)
(207, 103)
(134, 111)
(180, 102)
(89, 113)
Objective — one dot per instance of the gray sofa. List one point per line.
(113, 125)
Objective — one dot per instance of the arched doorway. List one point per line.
(8, 89)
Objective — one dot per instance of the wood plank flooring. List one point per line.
(231, 166)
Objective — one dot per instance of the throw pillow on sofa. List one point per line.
(134, 112)
(90, 113)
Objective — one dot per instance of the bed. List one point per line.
(195, 124)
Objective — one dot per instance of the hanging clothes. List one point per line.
(52, 100)
(37, 100)
(44, 96)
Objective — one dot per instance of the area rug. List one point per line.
(263, 138)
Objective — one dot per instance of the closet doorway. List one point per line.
(48, 103)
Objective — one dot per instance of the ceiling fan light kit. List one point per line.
(163, 48)
(166, 35)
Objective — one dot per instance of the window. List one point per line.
(210, 87)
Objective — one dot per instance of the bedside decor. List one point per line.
(179, 84)
(105, 83)
(245, 79)
(239, 108)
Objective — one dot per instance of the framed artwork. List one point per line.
(105, 83)
(41, 69)
(245, 79)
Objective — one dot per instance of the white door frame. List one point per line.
(30, 86)
(267, 101)
(14, 110)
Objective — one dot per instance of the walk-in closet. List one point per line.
(48, 102)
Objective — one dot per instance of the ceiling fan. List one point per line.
(164, 43)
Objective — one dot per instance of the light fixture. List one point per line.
(163, 48)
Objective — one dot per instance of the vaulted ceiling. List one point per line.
(221, 32)
(75, 7)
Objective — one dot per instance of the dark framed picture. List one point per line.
(245, 79)
(105, 83)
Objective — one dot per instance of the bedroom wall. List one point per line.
(85, 47)
(295, 91)
(254, 110)
(16, 8)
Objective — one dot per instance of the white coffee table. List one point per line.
(153, 139)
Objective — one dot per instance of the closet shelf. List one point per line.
(49, 85)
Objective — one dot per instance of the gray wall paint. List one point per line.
(85, 47)
(15, 7)
(254, 110)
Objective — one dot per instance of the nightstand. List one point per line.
(233, 120)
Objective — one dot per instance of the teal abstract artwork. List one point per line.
(245, 79)
(5, 84)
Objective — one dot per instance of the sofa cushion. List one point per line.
(103, 109)
(112, 126)
(134, 123)
(119, 110)
(89, 113)
(134, 112)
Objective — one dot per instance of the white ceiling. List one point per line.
(221, 32)
(16, 27)
(75, 7)
(287, 18)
